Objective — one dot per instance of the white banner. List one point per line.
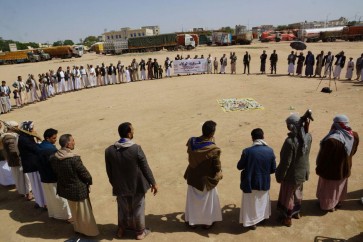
(190, 66)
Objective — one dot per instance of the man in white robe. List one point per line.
(256, 164)
(350, 69)
(203, 174)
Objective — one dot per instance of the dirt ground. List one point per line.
(165, 113)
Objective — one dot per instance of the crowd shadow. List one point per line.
(327, 239)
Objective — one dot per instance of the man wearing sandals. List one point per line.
(130, 176)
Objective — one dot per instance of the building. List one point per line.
(155, 29)
(125, 33)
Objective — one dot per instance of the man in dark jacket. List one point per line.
(29, 153)
(273, 61)
(130, 176)
(256, 164)
(339, 64)
(57, 206)
(73, 181)
(293, 169)
(203, 174)
(334, 163)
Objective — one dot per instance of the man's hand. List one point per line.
(154, 189)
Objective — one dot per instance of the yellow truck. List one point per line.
(98, 48)
(20, 56)
(65, 51)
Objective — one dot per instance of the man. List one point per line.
(77, 79)
(291, 63)
(155, 65)
(92, 76)
(167, 66)
(61, 81)
(142, 65)
(273, 61)
(111, 74)
(30, 157)
(10, 142)
(359, 66)
(84, 77)
(223, 62)
(300, 63)
(246, 63)
(150, 69)
(350, 69)
(263, 58)
(73, 181)
(103, 75)
(328, 64)
(309, 64)
(135, 68)
(293, 169)
(19, 86)
(209, 64)
(203, 174)
(334, 162)
(319, 64)
(256, 164)
(120, 77)
(57, 206)
(233, 58)
(6, 92)
(339, 64)
(130, 177)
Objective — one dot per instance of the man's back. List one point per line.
(128, 170)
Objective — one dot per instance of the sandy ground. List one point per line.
(165, 113)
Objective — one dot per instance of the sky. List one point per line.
(47, 21)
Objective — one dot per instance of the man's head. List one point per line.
(209, 128)
(257, 134)
(291, 121)
(50, 135)
(125, 130)
(67, 141)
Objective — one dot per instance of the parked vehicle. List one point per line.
(65, 51)
(242, 39)
(97, 47)
(331, 36)
(21, 56)
(158, 42)
(268, 36)
(353, 33)
(314, 35)
(115, 47)
(43, 56)
(221, 38)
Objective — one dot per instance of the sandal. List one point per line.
(145, 233)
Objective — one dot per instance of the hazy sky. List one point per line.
(52, 20)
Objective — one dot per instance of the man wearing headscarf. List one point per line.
(30, 157)
(203, 175)
(334, 162)
(293, 169)
(10, 142)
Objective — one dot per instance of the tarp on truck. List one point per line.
(152, 41)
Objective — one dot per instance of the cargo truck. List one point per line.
(21, 56)
(353, 33)
(242, 39)
(221, 38)
(63, 52)
(313, 35)
(158, 42)
(97, 47)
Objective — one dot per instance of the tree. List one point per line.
(90, 40)
(281, 27)
(58, 43)
(227, 29)
(68, 42)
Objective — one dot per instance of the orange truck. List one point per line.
(20, 56)
(63, 52)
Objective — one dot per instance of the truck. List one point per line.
(242, 39)
(65, 51)
(158, 42)
(196, 39)
(268, 36)
(97, 47)
(353, 33)
(21, 56)
(43, 56)
(314, 35)
(221, 38)
(330, 36)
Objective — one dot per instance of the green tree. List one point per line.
(227, 29)
(282, 27)
(58, 43)
(68, 42)
(90, 40)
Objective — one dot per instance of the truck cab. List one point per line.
(189, 41)
(77, 50)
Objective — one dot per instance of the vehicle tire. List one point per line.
(333, 39)
(328, 39)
